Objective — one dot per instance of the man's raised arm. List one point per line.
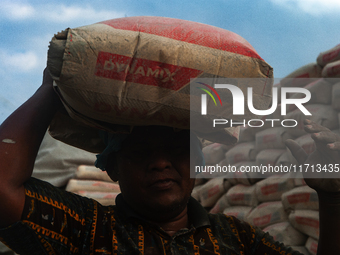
(20, 137)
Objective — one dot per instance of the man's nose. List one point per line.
(159, 160)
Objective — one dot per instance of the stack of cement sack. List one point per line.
(283, 206)
(93, 183)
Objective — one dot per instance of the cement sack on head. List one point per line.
(240, 212)
(272, 188)
(303, 197)
(242, 195)
(266, 214)
(285, 233)
(306, 221)
(211, 191)
(269, 157)
(272, 138)
(214, 153)
(104, 198)
(301, 77)
(324, 115)
(307, 143)
(220, 205)
(336, 96)
(286, 159)
(321, 93)
(136, 71)
(301, 249)
(85, 185)
(85, 172)
(57, 162)
(312, 246)
(329, 56)
(241, 152)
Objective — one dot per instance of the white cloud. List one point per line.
(18, 62)
(313, 7)
(55, 13)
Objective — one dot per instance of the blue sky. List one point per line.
(286, 33)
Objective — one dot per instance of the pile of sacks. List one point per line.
(91, 182)
(280, 204)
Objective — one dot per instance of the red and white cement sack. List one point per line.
(331, 70)
(306, 221)
(269, 157)
(247, 134)
(299, 198)
(266, 214)
(242, 195)
(85, 185)
(211, 191)
(328, 56)
(221, 204)
(285, 233)
(336, 96)
(240, 212)
(85, 172)
(324, 115)
(241, 152)
(272, 188)
(214, 153)
(286, 159)
(301, 76)
(104, 198)
(136, 71)
(321, 93)
(312, 246)
(272, 138)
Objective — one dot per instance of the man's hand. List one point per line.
(327, 153)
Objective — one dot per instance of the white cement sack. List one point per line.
(301, 76)
(328, 56)
(85, 172)
(286, 159)
(104, 198)
(214, 153)
(324, 115)
(196, 192)
(298, 179)
(306, 221)
(336, 96)
(307, 143)
(57, 162)
(285, 233)
(241, 152)
(240, 212)
(272, 138)
(246, 134)
(321, 93)
(266, 214)
(332, 70)
(302, 197)
(301, 249)
(312, 246)
(269, 157)
(242, 195)
(211, 191)
(272, 188)
(221, 204)
(85, 185)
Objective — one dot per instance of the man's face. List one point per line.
(154, 171)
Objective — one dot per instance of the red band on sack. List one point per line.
(143, 71)
(263, 220)
(330, 56)
(270, 189)
(187, 31)
(308, 222)
(298, 198)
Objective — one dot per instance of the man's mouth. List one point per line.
(162, 184)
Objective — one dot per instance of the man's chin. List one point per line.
(167, 208)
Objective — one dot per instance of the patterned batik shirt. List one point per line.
(58, 222)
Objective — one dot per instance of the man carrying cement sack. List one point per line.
(154, 214)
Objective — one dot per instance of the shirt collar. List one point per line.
(197, 215)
